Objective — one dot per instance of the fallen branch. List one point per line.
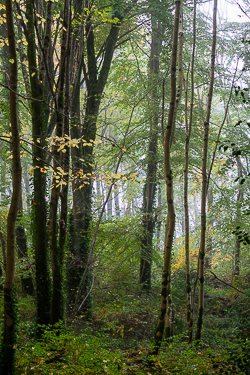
(224, 282)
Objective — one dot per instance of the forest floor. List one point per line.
(120, 335)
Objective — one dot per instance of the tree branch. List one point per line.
(224, 282)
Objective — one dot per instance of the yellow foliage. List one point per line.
(179, 260)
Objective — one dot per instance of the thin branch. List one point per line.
(90, 290)
(242, 9)
(33, 99)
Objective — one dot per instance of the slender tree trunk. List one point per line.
(238, 219)
(4, 54)
(186, 206)
(209, 238)
(9, 336)
(196, 210)
(204, 181)
(159, 215)
(39, 126)
(169, 313)
(148, 221)
(170, 222)
(180, 69)
(117, 204)
(22, 58)
(75, 264)
(65, 156)
(21, 241)
(109, 206)
(55, 249)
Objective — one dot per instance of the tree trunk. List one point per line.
(75, 267)
(66, 156)
(170, 221)
(209, 238)
(159, 214)
(117, 204)
(238, 220)
(21, 241)
(39, 114)
(109, 206)
(188, 123)
(9, 336)
(82, 203)
(3, 244)
(56, 250)
(204, 181)
(148, 221)
(169, 314)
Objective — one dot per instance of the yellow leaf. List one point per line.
(133, 175)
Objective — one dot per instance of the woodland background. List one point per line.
(124, 167)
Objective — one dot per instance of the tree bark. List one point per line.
(170, 221)
(39, 114)
(169, 313)
(96, 81)
(148, 221)
(209, 238)
(21, 241)
(9, 336)
(204, 181)
(57, 249)
(238, 220)
(188, 123)
(3, 244)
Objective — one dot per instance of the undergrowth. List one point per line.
(119, 338)
(66, 353)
